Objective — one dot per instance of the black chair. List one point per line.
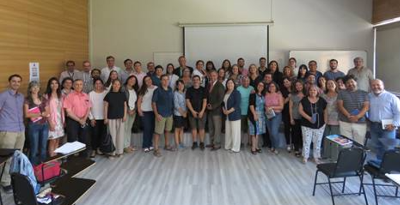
(350, 164)
(24, 193)
(390, 164)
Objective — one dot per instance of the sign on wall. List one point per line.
(33, 71)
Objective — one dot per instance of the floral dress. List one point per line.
(257, 127)
(57, 119)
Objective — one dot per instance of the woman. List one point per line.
(340, 84)
(330, 96)
(66, 87)
(180, 113)
(36, 110)
(314, 115)
(302, 74)
(57, 114)
(286, 90)
(273, 67)
(322, 84)
(235, 75)
(231, 110)
(288, 73)
(96, 116)
(227, 66)
(115, 111)
(113, 76)
(187, 78)
(199, 70)
(295, 118)
(253, 75)
(145, 110)
(221, 76)
(273, 107)
(172, 77)
(257, 116)
(131, 88)
(210, 66)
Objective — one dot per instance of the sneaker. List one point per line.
(146, 150)
(202, 146)
(157, 153)
(304, 161)
(8, 189)
(289, 148)
(111, 157)
(276, 152)
(316, 161)
(93, 154)
(181, 146)
(151, 148)
(194, 146)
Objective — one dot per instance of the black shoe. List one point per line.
(253, 152)
(210, 146)
(202, 146)
(258, 150)
(194, 146)
(8, 189)
(215, 148)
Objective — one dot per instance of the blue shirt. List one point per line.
(329, 75)
(245, 96)
(11, 111)
(164, 100)
(179, 102)
(384, 106)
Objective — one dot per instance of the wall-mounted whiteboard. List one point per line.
(231, 42)
(163, 58)
(345, 58)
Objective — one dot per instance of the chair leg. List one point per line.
(363, 189)
(330, 189)
(397, 191)
(315, 182)
(344, 184)
(374, 186)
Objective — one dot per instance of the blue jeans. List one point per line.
(273, 129)
(148, 129)
(377, 133)
(38, 135)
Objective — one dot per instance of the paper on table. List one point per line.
(70, 147)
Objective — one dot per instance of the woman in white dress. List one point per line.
(57, 116)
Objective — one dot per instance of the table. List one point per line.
(73, 189)
(395, 178)
(5, 154)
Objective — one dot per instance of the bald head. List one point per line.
(377, 86)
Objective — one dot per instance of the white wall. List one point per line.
(388, 56)
(137, 28)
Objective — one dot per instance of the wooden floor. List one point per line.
(209, 178)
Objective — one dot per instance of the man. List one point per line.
(312, 65)
(245, 90)
(12, 129)
(196, 102)
(150, 69)
(105, 72)
(182, 65)
(87, 77)
(352, 105)
(156, 77)
(77, 105)
(267, 79)
(139, 73)
(70, 72)
(216, 92)
(128, 70)
(263, 67)
(242, 69)
(362, 74)
(333, 73)
(292, 63)
(163, 107)
(383, 106)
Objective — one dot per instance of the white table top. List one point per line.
(395, 178)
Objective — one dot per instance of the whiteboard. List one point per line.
(163, 58)
(345, 58)
(230, 42)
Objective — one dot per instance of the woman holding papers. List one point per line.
(57, 114)
(37, 111)
(314, 115)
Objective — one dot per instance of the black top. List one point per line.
(278, 78)
(285, 94)
(196, 97)
(313, 108)
(116, 104)
(255, 81)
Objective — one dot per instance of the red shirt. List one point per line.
(78, 103)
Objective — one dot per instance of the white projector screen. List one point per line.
(217, 43)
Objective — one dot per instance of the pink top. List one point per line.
(53, 105)
(273, 99)
(78, 103)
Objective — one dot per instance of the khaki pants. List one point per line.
(232, 135)
(117, 131)
(130, 119)
(10, 140)
(355, 131)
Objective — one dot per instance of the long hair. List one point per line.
(226, 85)
(302, 66)
(49, 90)
(113, 82)
(294, 90)
(136, 86)
(29, 93)
(277, 65)
(109, 81)
(65, 80)
(143, 89)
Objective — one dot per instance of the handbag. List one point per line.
(107, 145)
(270, 114)
(46, 171)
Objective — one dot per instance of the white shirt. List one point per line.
(226, 97)
(147, 100)
(105, 73)
(132, 99)
(172, 81)
(202, 77)
(97, 100)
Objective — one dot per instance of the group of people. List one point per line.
(245, 103)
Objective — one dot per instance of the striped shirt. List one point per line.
(352, 101)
